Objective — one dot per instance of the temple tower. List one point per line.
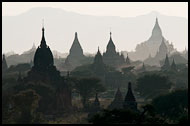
(43, 58)
(166, 65)
(128, 60)
(143, 67)
(117, 103)
(156, 32)
(4, 64)
(75, 55)
(173, 66)
(130, 102)
(111, 57)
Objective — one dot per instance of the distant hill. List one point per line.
(28, 56)
(22, 30)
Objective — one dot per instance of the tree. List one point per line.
(172, 105)
(127, 116)
(25, 104)
(150, 84)
(115, 116)
(87, 87)
(128, 69)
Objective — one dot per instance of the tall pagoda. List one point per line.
(75, 55)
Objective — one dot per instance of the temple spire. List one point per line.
(43, 41)
(4, 63)
(166, 65)
(76, 35)
(156, 20)
(156, 32)
(130, 101)
(117, 103)
(128, 60)
(173, 66)
(129, 96)
(98, 58)
(143, 67)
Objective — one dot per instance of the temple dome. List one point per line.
(43, 57)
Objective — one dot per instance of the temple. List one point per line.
(98, 65)
(130, 102)
(173, 66)
(117, 103)
(152, 44)
(111, 57)
(75, 55)
(143, 67)
(128, 60)
(44, 71)
(162, 51)
(156, 32)
(4, 64)
(166, 65)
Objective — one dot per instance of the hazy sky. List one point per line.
(123, 9)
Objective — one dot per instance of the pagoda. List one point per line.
(44, 71)
(75, 55)
(117, 103)
(111, 57)
(130, 101)
(166, 65)
(128, 60)
(173, 66)
(98, 65)
(4, 64)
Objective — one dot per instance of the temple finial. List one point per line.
(43, 27)
(43, 42)
(42, 23)
(75, 34)
(129, 85)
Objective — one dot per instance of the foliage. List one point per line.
(114, 116)
(171, 105)
(6, 110)
(128, 69)
(82, 71)
(150, 84)
(87, 87)
(46, 92)
(127, 116)
(25, 104)
(21, 108)
(183, 119)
